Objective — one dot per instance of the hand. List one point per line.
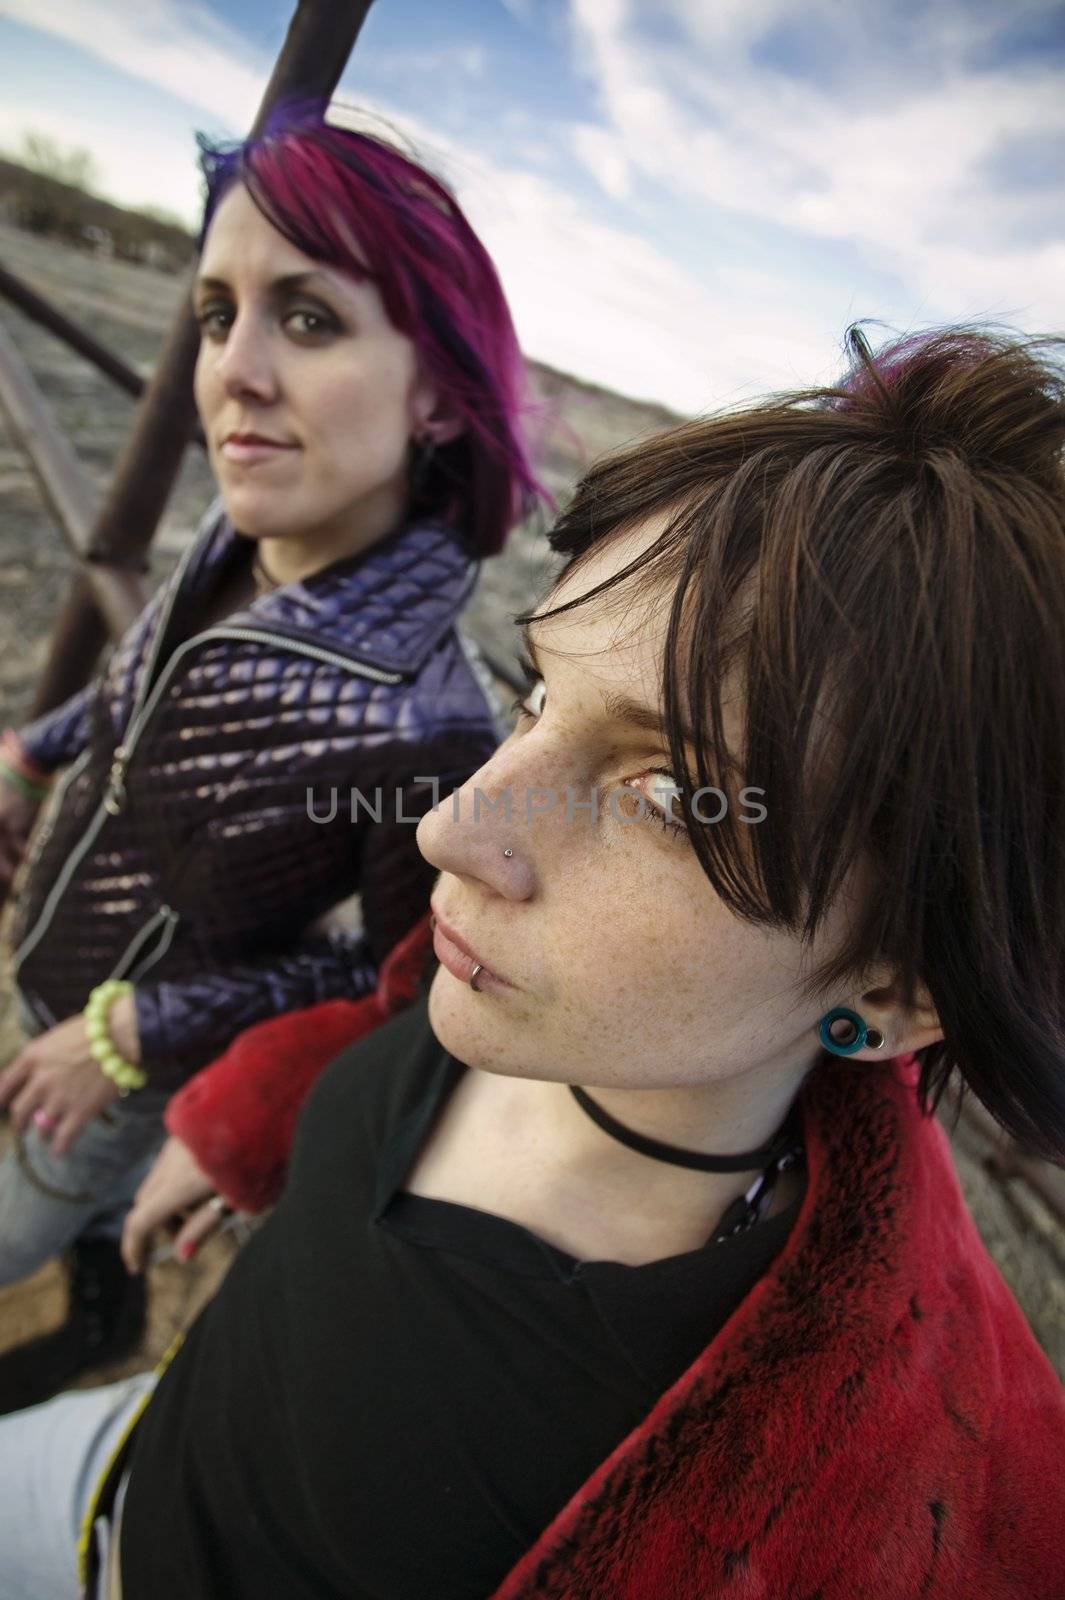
(175, 1183)
(17, 813)
(57, 1077)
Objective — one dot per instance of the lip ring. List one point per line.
(480, 968)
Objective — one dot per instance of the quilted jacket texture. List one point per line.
(206, 821)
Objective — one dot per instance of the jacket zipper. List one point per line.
(115, 794)
(47, 826)
(73, 861)
(165, 918)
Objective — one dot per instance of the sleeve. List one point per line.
(239, 1114)
(184, 1023)
(59, 736)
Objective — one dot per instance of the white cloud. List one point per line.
(601, 301)
(892, 159)
(180, 47)
(604, 156)
(443, 63)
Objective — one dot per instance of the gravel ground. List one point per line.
(129, 308)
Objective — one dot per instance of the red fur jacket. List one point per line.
(874, 1422)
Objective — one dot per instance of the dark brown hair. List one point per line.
(883, 561)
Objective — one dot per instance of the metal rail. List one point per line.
(42, 311)
(116, 591)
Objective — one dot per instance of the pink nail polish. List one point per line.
(185, 1251)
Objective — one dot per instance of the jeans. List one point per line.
(52, 1458)
(48, 1201)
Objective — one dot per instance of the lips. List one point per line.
(460, 959)
(257, 438)
(247, 448)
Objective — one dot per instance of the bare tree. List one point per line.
(73, 165)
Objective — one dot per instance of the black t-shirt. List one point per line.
(391, 1397)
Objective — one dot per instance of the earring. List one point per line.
(844, 1032)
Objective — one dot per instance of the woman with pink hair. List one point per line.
(262, 742)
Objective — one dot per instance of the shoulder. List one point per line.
(453, 696)
(388, 1066)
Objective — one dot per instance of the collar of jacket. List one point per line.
(389, 606)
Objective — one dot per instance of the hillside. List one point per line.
(47, 207)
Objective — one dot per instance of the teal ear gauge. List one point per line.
(844, 1032)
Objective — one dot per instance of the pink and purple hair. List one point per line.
(319, 184)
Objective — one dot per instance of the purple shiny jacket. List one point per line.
(204, 824)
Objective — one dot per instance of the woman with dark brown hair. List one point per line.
(629, 1262)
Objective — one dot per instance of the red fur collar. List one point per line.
(874, 1422)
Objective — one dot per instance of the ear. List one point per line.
(433, 419)
(905, 1029)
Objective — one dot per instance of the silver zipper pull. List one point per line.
(115, 798)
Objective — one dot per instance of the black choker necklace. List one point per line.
(746, 1161)
(784, 1150)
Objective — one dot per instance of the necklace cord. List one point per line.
(744, 1161)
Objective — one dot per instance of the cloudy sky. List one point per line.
(688, 200)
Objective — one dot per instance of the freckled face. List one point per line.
(627, 970)
(305, 357)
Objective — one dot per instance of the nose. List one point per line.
(245, 365)
(468, 832)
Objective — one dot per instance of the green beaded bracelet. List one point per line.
(123, 1073)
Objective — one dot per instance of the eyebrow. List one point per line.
(290, 283)
(631, 712)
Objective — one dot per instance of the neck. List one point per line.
(523, 1149)
(540, 1121)
(288, 558)
(720, 1118)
